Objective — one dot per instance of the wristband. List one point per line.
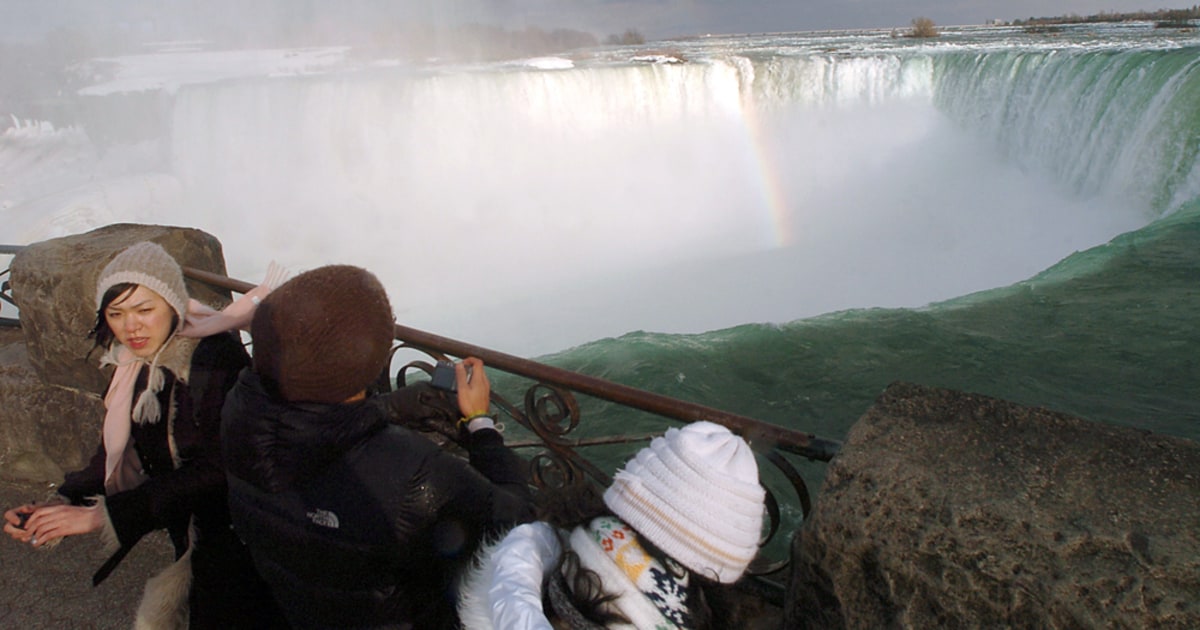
(476, 421)
(482, 422)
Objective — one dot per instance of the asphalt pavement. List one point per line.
(52, 588)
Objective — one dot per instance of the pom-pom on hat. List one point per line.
(694, 493)
(324, 335)
(149, 265)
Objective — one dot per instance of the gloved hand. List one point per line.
(422, 407)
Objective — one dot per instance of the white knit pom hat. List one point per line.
(149, 265)
(694, 493)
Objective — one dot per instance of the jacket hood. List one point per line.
(275, 445)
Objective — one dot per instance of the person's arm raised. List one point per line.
(474, 394)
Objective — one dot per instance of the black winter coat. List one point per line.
(180, 454)
(355, 522)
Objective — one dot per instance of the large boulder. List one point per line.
(50, 383)
(47, 429)
(946, 509)
(54, 285)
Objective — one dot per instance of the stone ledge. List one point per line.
(947, 509)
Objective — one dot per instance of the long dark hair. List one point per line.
(101, 331)
(570, 507)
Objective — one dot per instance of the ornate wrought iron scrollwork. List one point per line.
(552, 414)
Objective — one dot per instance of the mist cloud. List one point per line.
(247, 23)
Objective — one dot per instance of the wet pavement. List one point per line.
(52, 588)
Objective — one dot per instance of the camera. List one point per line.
(443, 376)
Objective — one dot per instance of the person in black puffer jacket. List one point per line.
(354, 521)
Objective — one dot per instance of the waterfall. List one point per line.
(1109, 123)
(534, 206)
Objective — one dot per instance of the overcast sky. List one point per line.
(29, 19)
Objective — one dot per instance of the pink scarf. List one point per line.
(122, 472)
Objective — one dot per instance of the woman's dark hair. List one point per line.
(572, 506)
(103, 334)
(568, 506)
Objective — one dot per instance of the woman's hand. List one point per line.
(51, 522)
(474, 391)
(12, 522)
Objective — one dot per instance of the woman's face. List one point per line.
(140, 320)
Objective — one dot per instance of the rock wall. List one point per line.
(946, 509)
(50, 385)
(45, 428)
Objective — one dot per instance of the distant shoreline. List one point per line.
(1176, 17)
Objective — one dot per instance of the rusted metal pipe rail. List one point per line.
(763, 433)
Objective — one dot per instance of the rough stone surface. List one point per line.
(952, 510)
(54, 285)
(50, 385)
(46, 429)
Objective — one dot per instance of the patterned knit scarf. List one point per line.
(611, 548)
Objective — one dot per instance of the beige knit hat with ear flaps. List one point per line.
(149, 265)
(694, 493)
(324, 335)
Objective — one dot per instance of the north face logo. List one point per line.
(324, 518)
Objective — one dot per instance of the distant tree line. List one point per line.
(629, 38)
(1163, 17)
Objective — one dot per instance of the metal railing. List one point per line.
(550, 410)
(6, 296)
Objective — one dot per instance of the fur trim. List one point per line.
(108, 532)
(472, 594)
(164, 604)
(172, 446)
(503, 587)
(176, 356)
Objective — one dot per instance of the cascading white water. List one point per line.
(1116, 125)
(543, 176)
(531, 209)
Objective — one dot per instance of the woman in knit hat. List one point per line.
(355, 521)
(679, 521)
(158, 464)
